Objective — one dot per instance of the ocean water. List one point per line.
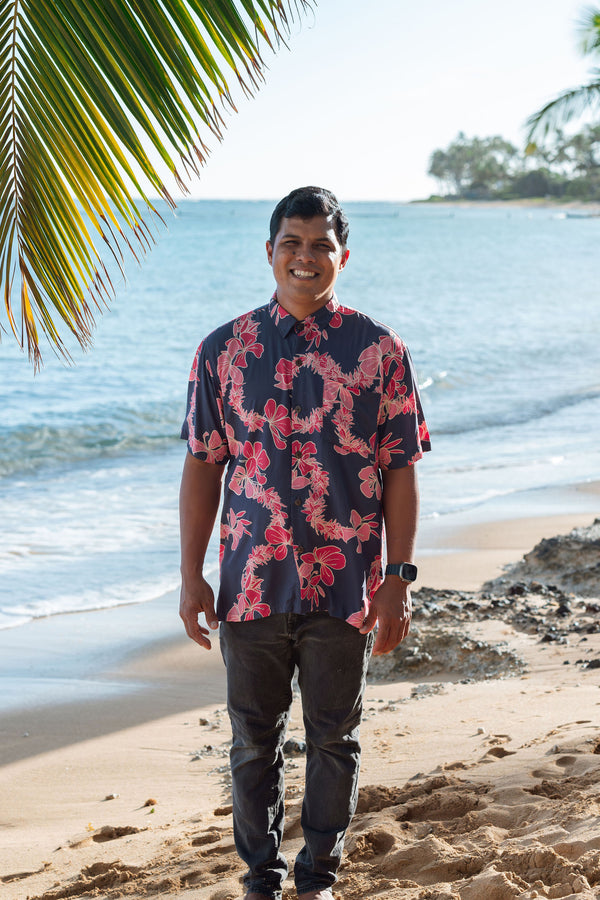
(501, 312)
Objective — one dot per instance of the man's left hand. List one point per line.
(391, 607)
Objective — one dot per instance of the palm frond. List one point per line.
(567, 106)
(589, 30)
(85, 87)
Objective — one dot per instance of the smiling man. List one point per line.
(312, 410)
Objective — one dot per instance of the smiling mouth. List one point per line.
(302, 273)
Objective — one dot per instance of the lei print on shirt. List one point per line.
(250, 460)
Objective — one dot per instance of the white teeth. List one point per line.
(300, 273)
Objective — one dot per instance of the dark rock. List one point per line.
(568, 562)
(294, 747)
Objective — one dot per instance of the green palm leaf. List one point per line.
(571, 104)
(85, 86)
(567, 106)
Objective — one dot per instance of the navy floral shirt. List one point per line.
(305, 415)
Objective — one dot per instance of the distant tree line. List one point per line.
(491, 168)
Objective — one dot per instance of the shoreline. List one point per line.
(97, 656)
(591, 206)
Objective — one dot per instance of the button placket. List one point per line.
(296, 410)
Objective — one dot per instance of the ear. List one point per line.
(270, 252)
(344, 259)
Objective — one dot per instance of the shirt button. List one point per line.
(297, 410)
(299, 327)
(300, 548)
(297, 362)
(298, 501)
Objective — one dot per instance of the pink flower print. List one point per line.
(369, 362)
(239, 480)
(363, 527)
(280, 538)
(357, 618)
(228, 366)
(255, 608)
(279, 422)
(216, 450)
(374, 578)
(423, 432)
(333, 531)
(302, 463)
(409, 404)
(194, 369)
(236, 527)
(348, 443)
(326, 559)
(319, 482)
(277, 312)
(312, 591)
(369, 482)
(386, 448)
(393, 351)
(336, 320)
(314, 509)
(248, 607)
(256, 459)
(211, 446)
(235, 446)
(311, 331)
(284, 374)
(247, 328)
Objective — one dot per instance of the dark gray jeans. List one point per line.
(332, 659)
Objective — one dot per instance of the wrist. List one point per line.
(406, 572)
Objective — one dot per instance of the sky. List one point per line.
(366, 92)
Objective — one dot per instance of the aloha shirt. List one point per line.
(305, 415)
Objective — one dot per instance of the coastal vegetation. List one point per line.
(491, 168)
(553, 164)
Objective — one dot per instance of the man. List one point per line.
(313, 410)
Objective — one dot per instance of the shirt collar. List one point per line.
(285, 322)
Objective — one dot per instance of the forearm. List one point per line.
(400, 513)
(199, 499)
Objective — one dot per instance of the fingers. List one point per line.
(389, 635)
(190, 608)
(370, 622)
(196, 633)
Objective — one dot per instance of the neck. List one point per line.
(301, 310)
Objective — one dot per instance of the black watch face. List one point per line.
(409, 572)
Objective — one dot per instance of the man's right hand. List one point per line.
(195, 600)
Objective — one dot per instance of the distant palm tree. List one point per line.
(572, 103)
(84, 85)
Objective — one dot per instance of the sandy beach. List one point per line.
(481, 737)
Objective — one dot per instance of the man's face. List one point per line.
(306, 258)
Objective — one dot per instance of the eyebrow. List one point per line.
(322, 237)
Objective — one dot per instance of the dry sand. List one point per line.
(481, 767)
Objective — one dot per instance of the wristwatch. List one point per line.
(406, 571)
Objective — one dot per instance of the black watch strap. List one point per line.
(405, 571)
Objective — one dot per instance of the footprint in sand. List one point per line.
(499, 753)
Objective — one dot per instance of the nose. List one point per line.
(305, 252)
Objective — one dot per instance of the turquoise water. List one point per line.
(499, 308)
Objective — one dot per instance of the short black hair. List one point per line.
(306, 203)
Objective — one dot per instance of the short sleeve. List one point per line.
(403, 433)
(204, 424)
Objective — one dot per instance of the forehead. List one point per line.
(316, 228)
